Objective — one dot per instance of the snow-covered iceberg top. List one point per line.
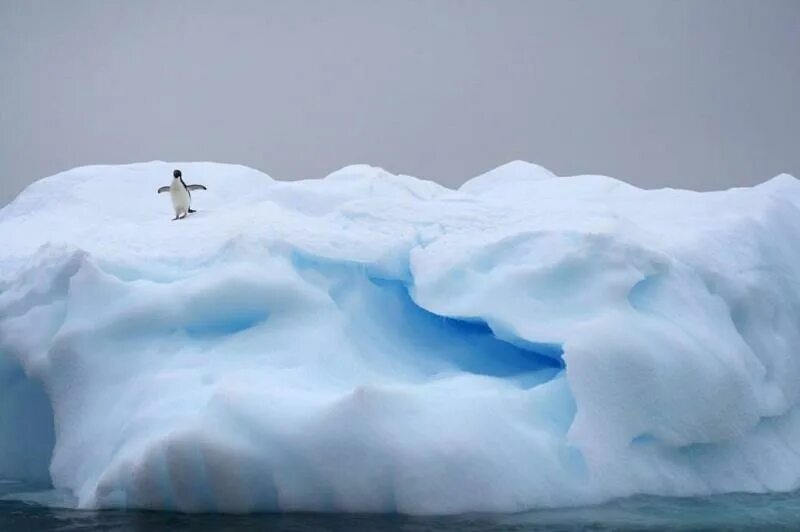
(372, 342)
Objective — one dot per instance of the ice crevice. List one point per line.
(26, 426)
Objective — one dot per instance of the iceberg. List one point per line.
(371, 342)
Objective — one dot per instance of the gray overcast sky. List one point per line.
(699, 94)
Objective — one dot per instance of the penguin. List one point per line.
(181, 195)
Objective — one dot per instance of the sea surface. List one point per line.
(720, 512)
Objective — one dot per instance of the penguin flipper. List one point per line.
(196, 187)
(163, 189)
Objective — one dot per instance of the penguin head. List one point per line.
(176, 174)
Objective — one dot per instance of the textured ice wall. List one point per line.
(371, 342)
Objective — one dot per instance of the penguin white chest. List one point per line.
(179, 196)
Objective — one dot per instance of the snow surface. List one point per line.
(372, 342)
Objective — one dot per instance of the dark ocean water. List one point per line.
(724, 512)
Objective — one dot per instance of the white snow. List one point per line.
(380, 343)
